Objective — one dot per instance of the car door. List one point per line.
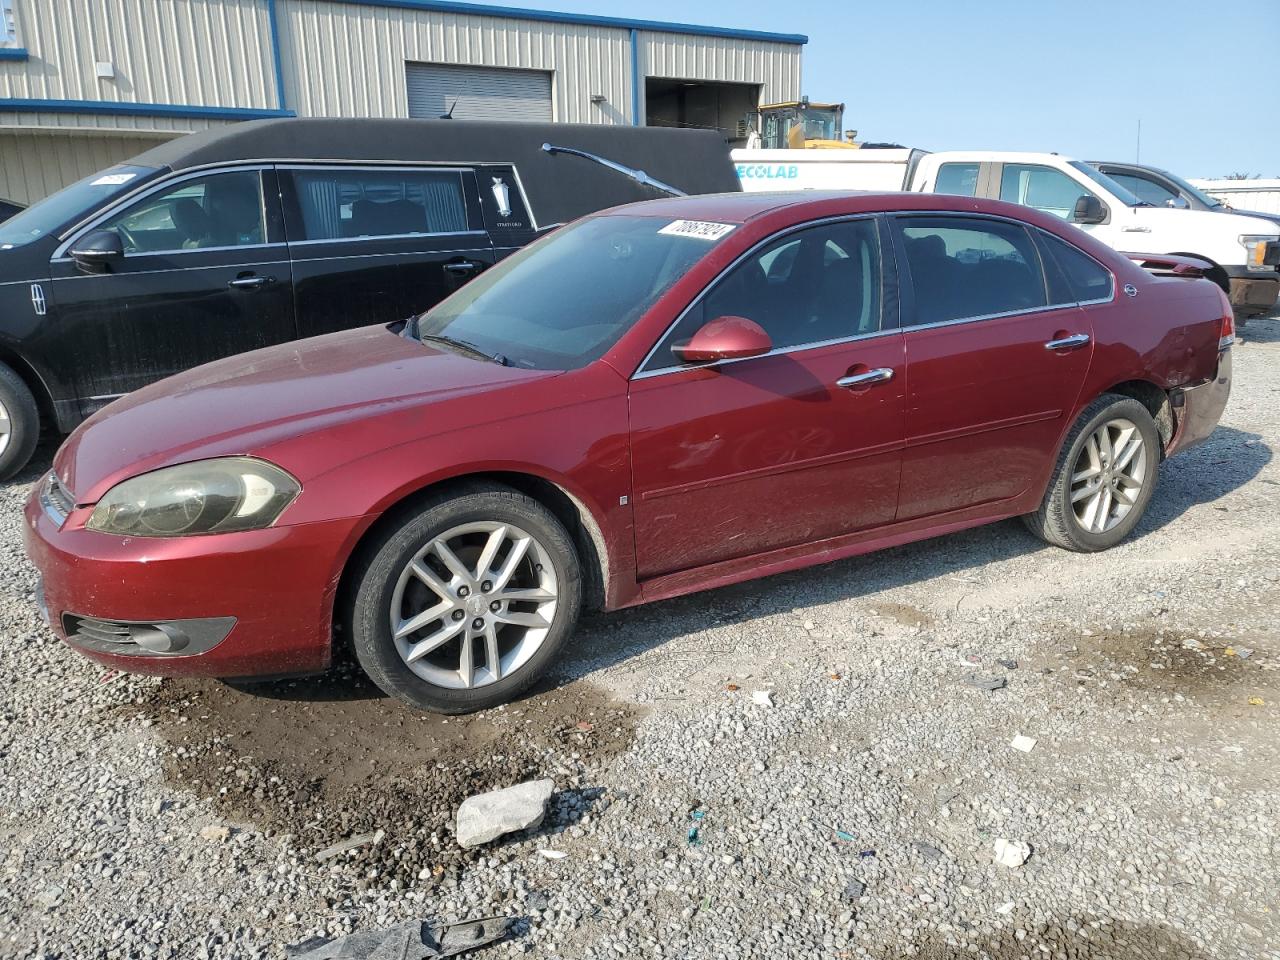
(374, 244)
(804, 443)
(995, 360)
(204, 274)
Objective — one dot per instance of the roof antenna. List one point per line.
(449, 115)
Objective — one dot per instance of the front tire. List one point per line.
(19, 423)
(465, 603)
(1104, 478)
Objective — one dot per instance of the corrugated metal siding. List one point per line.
(34, 165)
(199, 52)
(347, 60)
(775, 66)
(1260, 195)
(478, 93)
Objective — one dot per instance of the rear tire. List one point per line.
(19, 423)
(1104, 478)
(481, 575)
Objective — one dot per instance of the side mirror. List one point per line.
(1089, 209)
(1178, 203)
(725, 338)
(96, 250)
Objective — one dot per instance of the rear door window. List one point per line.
(354, 203)
(958, 179)
(965, 268)
(1087, 280)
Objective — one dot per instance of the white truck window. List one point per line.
(957, 179)
(1043, 188)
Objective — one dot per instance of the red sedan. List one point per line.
(658, 399)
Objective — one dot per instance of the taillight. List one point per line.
(1228, 335)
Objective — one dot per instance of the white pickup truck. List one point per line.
(1244, 251)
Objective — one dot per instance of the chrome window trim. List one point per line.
(389, 253)
(391, 236)
(210, 266)
(184, 250)
(154, 186)
(641, 374)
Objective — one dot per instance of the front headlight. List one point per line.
(208, 496)
(1255, 251)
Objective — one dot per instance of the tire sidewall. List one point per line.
(371, 637)
(1137, 414)
(24, 422)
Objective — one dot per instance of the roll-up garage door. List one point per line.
(481, 93)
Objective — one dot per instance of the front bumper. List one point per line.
(278, 584)
(1198, 409)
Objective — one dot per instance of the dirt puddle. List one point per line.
(328, 758)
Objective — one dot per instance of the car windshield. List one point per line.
(1123, 194)
(70, 204)
(1196, 192)
(561, 303)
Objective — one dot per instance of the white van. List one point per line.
(1244, 251)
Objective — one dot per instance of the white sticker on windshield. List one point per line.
(700, 229)
(113, 179)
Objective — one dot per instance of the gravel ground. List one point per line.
(854, 817)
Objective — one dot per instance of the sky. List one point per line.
(1071, 76)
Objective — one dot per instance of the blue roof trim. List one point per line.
(123, 108)
(554, 16)
(277, 61)
(14, 53)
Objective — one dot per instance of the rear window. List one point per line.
(350, 204)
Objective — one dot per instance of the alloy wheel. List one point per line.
(6, 427)
(1108, 475)
(474, 605)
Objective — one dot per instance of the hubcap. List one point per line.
(6, 428)
(474, 605)
(1108, 475)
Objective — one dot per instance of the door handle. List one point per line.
(1068, 343)
(466, 266)
(867, 378)
(249, 283)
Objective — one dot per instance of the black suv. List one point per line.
(268, 231)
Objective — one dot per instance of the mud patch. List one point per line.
(1078, 939)
(327, 758)
(1162, 661)
(905, 614)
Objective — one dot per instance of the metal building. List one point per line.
(84, 83)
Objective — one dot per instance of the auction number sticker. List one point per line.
(699, 229)
(113, 179)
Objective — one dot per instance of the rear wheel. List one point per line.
(465, 603)
(19, 423)
(1104, 477)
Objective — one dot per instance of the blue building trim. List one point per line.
(14, 53)
(590, 20)
(277, 61)
(130, 109)
(635, 78)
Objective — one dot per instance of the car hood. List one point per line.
(251, 403)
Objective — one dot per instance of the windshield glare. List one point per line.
(70, 204)
(1123, 194)
(561, 303)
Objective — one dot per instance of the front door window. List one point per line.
(219, 210)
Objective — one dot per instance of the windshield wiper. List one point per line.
(464, 346)
(639, 176)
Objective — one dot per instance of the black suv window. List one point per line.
(1086, 278)
(218, 210)
(341, 204)
(808, 287)
(1144, 189)
(963, 268)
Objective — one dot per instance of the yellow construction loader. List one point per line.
(804, 125)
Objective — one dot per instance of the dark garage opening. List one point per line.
(728, 107)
